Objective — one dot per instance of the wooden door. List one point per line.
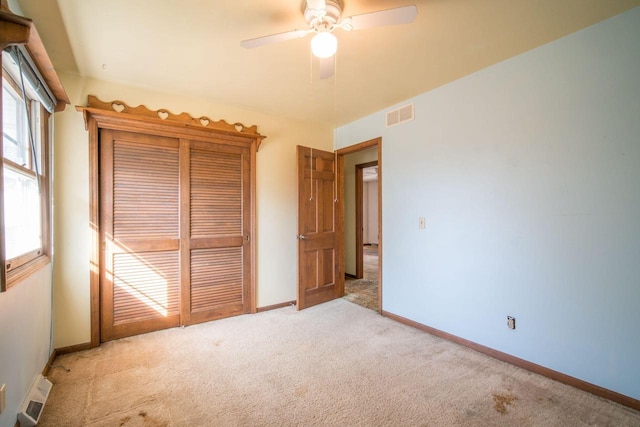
(140, 233)
(216, 240)
(320, 278)
(175, 223)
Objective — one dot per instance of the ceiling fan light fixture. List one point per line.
(324, 44)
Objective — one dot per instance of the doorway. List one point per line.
(361, 190)
(366, 212)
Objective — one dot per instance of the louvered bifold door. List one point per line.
(219, 227)
(140, 231)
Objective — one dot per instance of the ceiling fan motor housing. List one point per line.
(323, 17)
(323, 22)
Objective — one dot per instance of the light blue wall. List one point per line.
(528, 174)
(25, 327)
(25, 331)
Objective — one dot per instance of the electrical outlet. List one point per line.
(3, 399)
(511, 322)
(421, 222)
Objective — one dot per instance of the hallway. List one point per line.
(364, 291)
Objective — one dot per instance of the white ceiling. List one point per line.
(192, 47)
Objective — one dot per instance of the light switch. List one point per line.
(421, 222)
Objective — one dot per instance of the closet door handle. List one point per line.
(301, 237)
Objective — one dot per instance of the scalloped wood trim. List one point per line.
(164, 115)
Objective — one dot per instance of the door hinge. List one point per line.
(248, 237)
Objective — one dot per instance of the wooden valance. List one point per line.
(119, 110)
(17, 30)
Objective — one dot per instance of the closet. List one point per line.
(173, 202)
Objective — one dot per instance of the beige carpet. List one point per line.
(335, 364)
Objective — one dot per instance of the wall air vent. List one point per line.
(400, 115)
(32, 407)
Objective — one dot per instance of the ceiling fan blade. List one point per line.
(273, 38)
(316, 4)
(400, 15)
(327, 66)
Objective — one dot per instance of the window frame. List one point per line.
(16, 269)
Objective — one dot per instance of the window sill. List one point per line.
(17, 275)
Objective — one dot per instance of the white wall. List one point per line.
(25, 326)
(370, 212)
(25, 331)
(276, 196)
(528, 174)
(350, 162)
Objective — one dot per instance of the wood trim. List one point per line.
(19, 268)
(45, 66)
(340, 154)
(49, 364)
(94, 225)
(275, 306)
(185, 227)
(18, 274)
(253, 279)
(73, 348)
(521, 363)
(165, 128)
(339, 218)
(20, 169)
(367, 165)
(16, 29)
(120, 110)
(46, 166)
(358, 147)
(359, 224)
(379, 225)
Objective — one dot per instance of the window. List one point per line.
(25, 190)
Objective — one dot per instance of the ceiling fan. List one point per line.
(323, 17)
